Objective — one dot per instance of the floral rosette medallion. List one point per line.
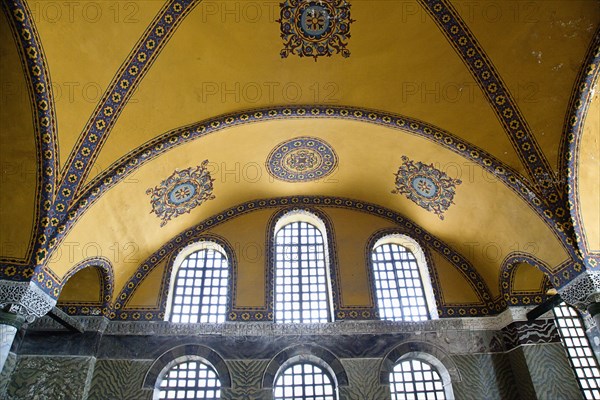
(315, 28)
(430, 188)
(302, 159)
(181, 192)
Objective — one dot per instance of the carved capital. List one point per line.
(582, 291)
(25, 299)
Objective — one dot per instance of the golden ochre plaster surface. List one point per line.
(123, 214)
(589, 176)
(146, 293)
(247, 235)
(83, 287)
(218, 62)
(454, 288)
(208, 69)
(85, 43)
(527, 278)
(538, 48)
(352, 233)
(18, 167)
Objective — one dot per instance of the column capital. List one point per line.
(25, 299)
(582, 291)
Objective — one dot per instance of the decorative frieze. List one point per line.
(25, 299)
(583, 290)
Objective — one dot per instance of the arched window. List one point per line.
(304, 381)
(194, 379)
(302, 288)
(199, 291)
(187, 371)
(416, 379)
(578, 348)
(402, 283)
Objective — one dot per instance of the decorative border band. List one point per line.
(499, 97)
(486, 307)
(105, 271)
(39, 86)
(137, 158)
(122, 87)
(587, 81)
(511, 297)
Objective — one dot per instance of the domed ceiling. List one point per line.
(474, 128)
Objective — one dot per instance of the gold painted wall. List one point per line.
(146, 293)
(527, 278)
(247, 237)
(588, 189)
(83, 287)
(454, 287)
(18, 166)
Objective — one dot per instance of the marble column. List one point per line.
(19, 302)
(9, 325)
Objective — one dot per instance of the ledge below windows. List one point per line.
(164, 328)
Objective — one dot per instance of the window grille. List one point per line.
(200, 291)
(304, 382)
(398, 284)
(190, 380)
(415, 379)
(301, 285)
(580, 354)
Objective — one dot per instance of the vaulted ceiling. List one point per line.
(476, 124)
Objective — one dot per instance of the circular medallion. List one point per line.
(302, 159)
(314, 20)
(182, 192)
(424, 186)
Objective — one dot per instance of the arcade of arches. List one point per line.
(340, 199)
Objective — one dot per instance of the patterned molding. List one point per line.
(508, 271)
(445, 326)
(138, 157)
(315, 28)
(530, 332)
(181, 192)
(39, 86)
(587, 82)
(583, 290)
(485, 307)
(578, 101)
(25, 298)
(426, 186)
(302, 159)
(549, 193)
(499, 97)
(130, 74)
(106, 277)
